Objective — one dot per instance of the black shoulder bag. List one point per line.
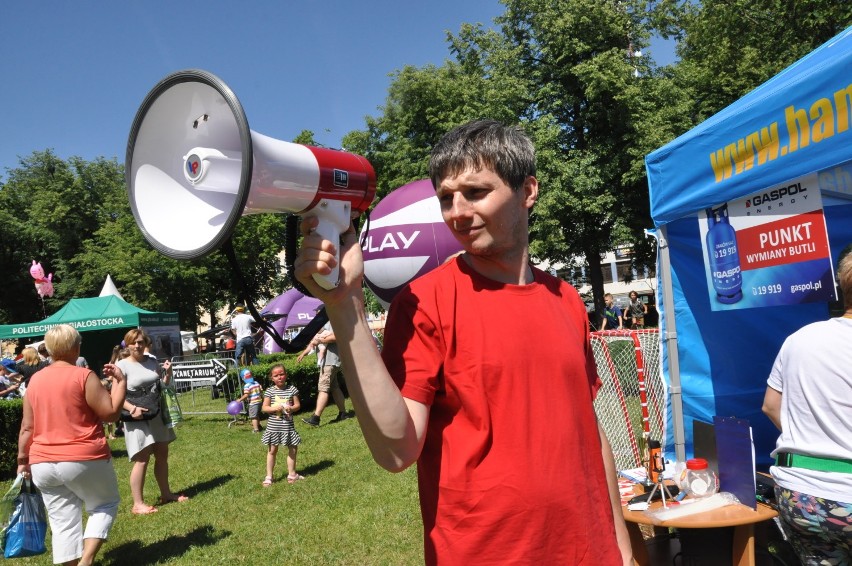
(147, 398)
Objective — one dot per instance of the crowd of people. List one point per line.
(452, 391)
(63, 444)
(66, 452)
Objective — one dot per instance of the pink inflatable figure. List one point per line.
(37, 271)
(45, 289)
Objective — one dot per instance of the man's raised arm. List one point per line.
(394, 427)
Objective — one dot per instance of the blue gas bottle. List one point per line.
(724, 256)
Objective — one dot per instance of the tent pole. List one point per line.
(670, 339)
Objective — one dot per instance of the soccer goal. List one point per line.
(631, 403)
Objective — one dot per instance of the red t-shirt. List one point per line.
(65, 428)
(511, 471)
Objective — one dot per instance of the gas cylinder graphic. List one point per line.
(724, 256)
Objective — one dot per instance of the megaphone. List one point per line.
(194, 167)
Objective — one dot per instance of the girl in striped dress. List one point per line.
(280, 401)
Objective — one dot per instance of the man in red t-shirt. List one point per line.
(513, 466)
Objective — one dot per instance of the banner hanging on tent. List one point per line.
(769, 248)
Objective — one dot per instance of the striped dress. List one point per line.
(280, 429)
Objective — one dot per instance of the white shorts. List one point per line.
(67, 487)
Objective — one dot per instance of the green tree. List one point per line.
(571, 73)
(729, 47)
(74, 216)
(50, 206)
(423, 104)
(567, 71)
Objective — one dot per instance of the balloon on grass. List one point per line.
(235, 408)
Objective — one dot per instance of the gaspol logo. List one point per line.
(776, 194)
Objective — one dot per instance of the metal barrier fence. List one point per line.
(631, 403)
(629, 410)
(205, 374)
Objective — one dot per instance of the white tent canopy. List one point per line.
(109, 288)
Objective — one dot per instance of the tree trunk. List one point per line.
(593, 263)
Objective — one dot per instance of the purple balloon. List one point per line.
(235, 408)
(407, 238)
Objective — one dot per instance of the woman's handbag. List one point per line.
(146, 398)
(26, 529)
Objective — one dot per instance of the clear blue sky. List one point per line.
(74, 73)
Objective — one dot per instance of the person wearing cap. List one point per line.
(8, 367)
(241, 327)
(253, 392)
(9, 380)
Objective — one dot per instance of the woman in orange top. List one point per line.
(62, 445)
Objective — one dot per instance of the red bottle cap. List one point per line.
(696, 464)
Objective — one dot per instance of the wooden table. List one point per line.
(740, 517)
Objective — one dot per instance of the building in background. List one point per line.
(620, 278)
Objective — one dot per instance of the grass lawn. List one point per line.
(346, 511)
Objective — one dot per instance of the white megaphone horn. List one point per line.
(194, 168)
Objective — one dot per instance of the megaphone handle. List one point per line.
(334, 219)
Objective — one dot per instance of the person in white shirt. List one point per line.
(807, 398)
(241, 327)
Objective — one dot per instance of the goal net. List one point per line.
(629, 412)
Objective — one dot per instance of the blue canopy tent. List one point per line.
(779, 162)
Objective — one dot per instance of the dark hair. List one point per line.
(484, 144)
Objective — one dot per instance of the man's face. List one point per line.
(485, 215)
(608, 301)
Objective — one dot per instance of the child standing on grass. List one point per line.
(280, 402)
(254, 393)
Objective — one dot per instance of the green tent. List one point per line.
(103, 322)
(95, 313)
